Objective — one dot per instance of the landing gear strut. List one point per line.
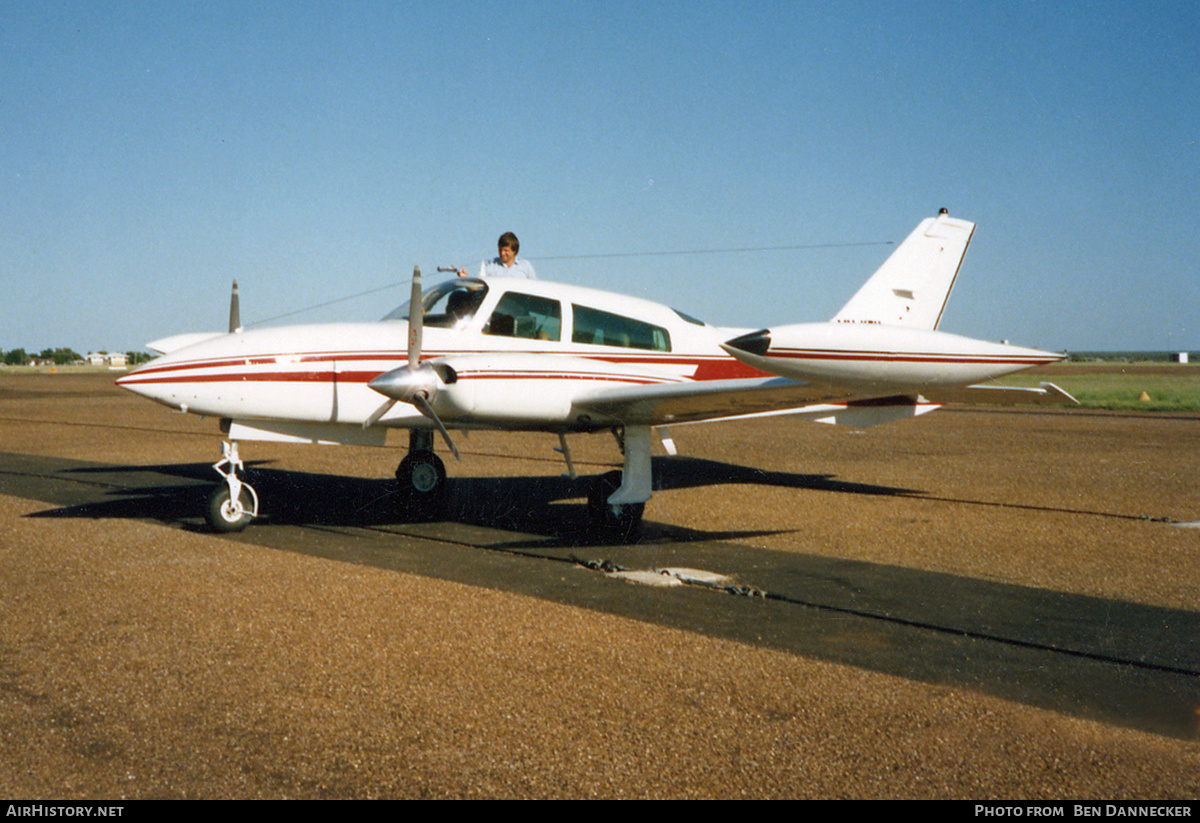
(422, 477)
(232, 504)
(617, 500)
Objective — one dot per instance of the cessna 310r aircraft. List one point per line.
(523, 355)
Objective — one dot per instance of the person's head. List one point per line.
(508, 246)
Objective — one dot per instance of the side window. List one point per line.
(525, 315)
(604, 329)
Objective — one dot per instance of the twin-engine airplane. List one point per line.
(524, 355)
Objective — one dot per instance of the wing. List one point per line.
(818, 402)
(708, 400)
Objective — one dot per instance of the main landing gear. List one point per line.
(422, 477)
(617, 500)
(232, 504)
(620, 521)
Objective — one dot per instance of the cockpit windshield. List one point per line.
(447, 305)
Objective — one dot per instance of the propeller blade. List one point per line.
(416, 320)
(421, 403)
(235, 315)
(405, 383)
(378, 413)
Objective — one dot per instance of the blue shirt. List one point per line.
(494, 268)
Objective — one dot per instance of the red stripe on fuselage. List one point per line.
(365, 377)
(704, 367)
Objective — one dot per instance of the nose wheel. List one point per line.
(225, 515)
(232, 504)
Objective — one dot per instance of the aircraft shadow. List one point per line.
(690, 472)
(550, 509)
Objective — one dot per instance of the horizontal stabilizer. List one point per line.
(912, 286)
(1047, 394)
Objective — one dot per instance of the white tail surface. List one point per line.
(912, 286)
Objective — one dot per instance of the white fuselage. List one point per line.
(532, 373)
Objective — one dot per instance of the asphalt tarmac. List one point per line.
(976, 604)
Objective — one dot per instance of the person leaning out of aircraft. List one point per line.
(506, 264)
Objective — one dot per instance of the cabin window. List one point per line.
(527, 316)
(604, 329)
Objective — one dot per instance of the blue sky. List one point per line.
(153, 152)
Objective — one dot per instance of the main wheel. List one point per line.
(422, 476)
(622, 522)
(223, 516)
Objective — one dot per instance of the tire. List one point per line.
(220, 514)
(422, 477)
(625, 523)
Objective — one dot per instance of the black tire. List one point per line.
(625, 523)
(422, 477)
(220, 514)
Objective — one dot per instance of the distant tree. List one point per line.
(16, 357)
(137, 358)
(61, 357)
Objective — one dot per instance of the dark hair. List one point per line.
(509, 240)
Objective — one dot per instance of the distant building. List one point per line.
(1179, 357)
(114, 360)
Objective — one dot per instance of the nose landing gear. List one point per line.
(232, 504)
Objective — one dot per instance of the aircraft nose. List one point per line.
(754, 343)
(132, 380)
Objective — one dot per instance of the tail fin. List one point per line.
(912, 286)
